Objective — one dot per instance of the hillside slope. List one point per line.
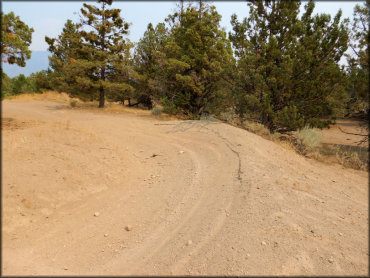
(87, 193)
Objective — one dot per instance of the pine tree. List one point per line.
(66, 49)
(147, 63)
(106, 50)
(287, 67)
(92, 56)
(194, 61)
(16, 37)
(6, 85)
(358, 62)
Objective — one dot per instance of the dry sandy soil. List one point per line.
(92, 193)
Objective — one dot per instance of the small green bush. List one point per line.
(73, 103)
(168, 106)
(309, 139)
(156, 111)
(257, 128)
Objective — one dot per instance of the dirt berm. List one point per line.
(92, 193)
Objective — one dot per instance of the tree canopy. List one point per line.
(98, 61)
(16, 37)
(194, 60)
(287, 66)
(358, 62)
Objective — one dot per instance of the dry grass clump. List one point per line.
(156, 111)
(47, 95)
(73, 103)
(308, 139)
(352, 157)
(230, 117)
(308, 142)
(257, 128)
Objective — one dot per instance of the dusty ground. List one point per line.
(200, 197)
(335, 134)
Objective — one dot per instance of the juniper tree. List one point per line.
(98, 64)
(66, 49)
(287, 67)
(106, 49)
(358, 62)
(147, 63)
(194, 61)
(16, 37)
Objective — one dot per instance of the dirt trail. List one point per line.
(201, 197)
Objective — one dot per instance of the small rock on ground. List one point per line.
(128, 228)
(96, 214)
(189, 242)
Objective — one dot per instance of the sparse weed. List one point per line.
(257, 128)
(227, 116)
(156, 111)
(73, 103)
(308, 139)
(356, 158)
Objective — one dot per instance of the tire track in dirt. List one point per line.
(180, 217)
(246, 204)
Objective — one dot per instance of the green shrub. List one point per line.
(73, 103)
(257, 128)
(308, 139)
(227, 116)
(156, 111)
(168, 106)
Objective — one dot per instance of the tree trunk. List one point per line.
(101, 97)
(102, 73)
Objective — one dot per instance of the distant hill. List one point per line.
(39, 61)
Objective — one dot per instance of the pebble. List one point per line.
(263, 243)
(128, 228)
(65, 268)
(331, 260)
(312, 231)
(276, 244)
(96, 214)
(248, 255)
(189, 242)
(340, 234)
(105, 235)
(259, 186)
(181, 152)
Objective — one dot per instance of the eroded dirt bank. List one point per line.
(200, 197)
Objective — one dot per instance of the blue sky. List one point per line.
(48, 18)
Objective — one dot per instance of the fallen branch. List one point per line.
(346, 132)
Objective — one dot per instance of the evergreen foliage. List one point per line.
(147, 56)
(358, 62)
(6, 85)
(66, 49)
(16, 37)
(287, 68)
(193, 62)
(97, 65)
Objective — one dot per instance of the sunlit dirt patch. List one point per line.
(14, 124)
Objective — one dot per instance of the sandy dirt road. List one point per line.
(200, 197)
